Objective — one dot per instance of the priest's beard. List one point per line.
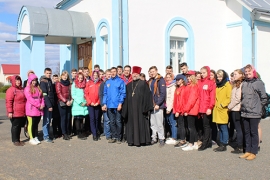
(135, 77)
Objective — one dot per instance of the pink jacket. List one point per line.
(34, 101)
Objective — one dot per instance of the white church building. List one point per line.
(223, 34)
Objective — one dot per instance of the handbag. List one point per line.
(62, 104)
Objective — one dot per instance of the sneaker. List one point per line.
(168, 138)
(214, 143)
(178, 145)
(112, 141)
(187, 148)
(171, 141)
(184, 144)
(33, 142)
(48, 140)
(153, 142)
(196, 147)
(36, 139)
(118, 141)
(161, 143)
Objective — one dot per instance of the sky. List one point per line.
(9, 12)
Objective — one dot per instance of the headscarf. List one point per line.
(224, 79)
(78, 84)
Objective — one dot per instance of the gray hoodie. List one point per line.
(253, 98)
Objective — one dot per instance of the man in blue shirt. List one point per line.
(113, 98)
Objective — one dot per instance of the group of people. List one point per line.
(189, 110)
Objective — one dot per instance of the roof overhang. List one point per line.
(57, 26)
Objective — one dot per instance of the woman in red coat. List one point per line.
(93, 103)
(178, 109)
(15, 105)
(207, 90)
(191, 109)
(65, 101)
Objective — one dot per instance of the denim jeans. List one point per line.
(115, 123)
(65, 113)
(224, 134)
(94, 112)
(172, 123)
(46, 123)
(251, 134)
(106, 124)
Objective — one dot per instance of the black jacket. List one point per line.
(47, 90)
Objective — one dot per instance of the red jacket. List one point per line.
(207, 89)
(91, 92)
(123, 77)
(178, 100)
(191, 100)
(63, 92)
(15, 100)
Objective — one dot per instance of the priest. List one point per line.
(136, 110)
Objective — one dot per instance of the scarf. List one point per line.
(80, 85)
(65, 82)
(223, 81)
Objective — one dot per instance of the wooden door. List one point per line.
(85, 55)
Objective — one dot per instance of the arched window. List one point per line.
(178, 37)
(179, 44)
(103, 44)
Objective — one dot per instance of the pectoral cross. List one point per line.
(133, 94)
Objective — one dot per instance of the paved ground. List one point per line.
(78, 159)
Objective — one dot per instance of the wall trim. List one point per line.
(234, 24)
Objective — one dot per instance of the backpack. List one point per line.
(266, 107)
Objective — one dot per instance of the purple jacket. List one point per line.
(34, 101)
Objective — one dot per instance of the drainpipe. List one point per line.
(253, 36)
(120, 33)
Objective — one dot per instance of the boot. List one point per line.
(81, 136)
(221, 148)
(251, 157)
(95, 138)
(237, 150)
(245, 155)
(66, 137)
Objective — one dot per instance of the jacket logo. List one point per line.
(108, 85)
(205, 87)
(162, 85)
(177, 93)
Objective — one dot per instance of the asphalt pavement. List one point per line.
(78, 159)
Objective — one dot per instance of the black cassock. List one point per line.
(136, 110)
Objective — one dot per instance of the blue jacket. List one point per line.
(114, 92)
(158, 89)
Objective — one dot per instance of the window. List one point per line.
(177, 53)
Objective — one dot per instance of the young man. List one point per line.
(114, 95)
(80, 70)
(48, 93)
(126, 76)
(137, 105)
(169, 70)
(96, 67)
(106, 120)
(73, 74)
(101, 74)
(184, 68)
(86, 74)
(158, 88)
(119, 70)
